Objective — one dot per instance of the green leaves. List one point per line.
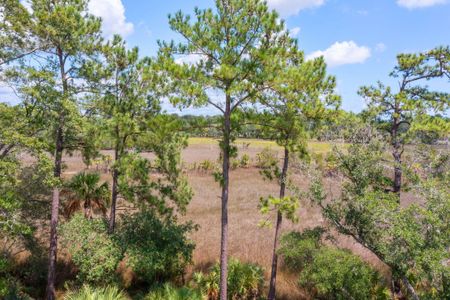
(156, 249)
(338, 274)
(287, 206)
(329, 272)
(411, 238)
(93, 251)
(14, 27)
(413, 106)
(245, 280)
(84, 190)
(232, 49)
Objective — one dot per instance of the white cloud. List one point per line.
(411, 4)
(342, 53)
(380, 47)
(294, 32)
(113, 17)
(112, 13)
(292, 7)
(190, 59)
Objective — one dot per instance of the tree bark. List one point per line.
(397, 154)
(51, 276)
(225, 184)
(410, 289)
(59, 147)
(397, 172)
(114, 193)
(273, 275)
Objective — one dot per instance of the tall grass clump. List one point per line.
(98, 293)
(170, 292)
(245, 281)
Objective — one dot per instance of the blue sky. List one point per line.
(359, 38)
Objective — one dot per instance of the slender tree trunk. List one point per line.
(115, 177)
(85, 209)
(273, 275)
(397, 154)
(88, 209)
(59, 147)
(446, 285)
(397, 172)
(225, 184)
(51, 276)
(410, 289)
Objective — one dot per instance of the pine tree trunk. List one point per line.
(397, 171)
(51, 276)
(114, 193)
(410, 289)
(397, 154)
(273, 275)
(59, 147)
(225, 184)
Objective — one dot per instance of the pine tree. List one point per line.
(412, 107)
(231, 50)
(123, 101)
(301, 94)
(50, 81)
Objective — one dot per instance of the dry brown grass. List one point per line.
(247, 241)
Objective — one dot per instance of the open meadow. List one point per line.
(248, 241)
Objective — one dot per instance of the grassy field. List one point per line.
(314, 146)
(248, 242)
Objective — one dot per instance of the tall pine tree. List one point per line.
(50, 80)
(225, 62)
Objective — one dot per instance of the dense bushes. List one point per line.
(156, 249)
(245, 281)
(338, 274)
(9, 286)
(93, 251)
(328, 272)
(298, 248)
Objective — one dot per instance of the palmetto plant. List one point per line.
(84, 192)
(90, 293)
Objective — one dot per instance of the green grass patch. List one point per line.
(239, 142)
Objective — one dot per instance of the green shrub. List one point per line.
(98, 293)
(206, 166)
(93, 250)
(298, 248)
(327, 272)
(10, 289)
(266, 158)
(245, 281)
(339, 274)
(156, 249)
(244, 161)
(4, 282)
(234, 163)
(169, 292)
(331, 166)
